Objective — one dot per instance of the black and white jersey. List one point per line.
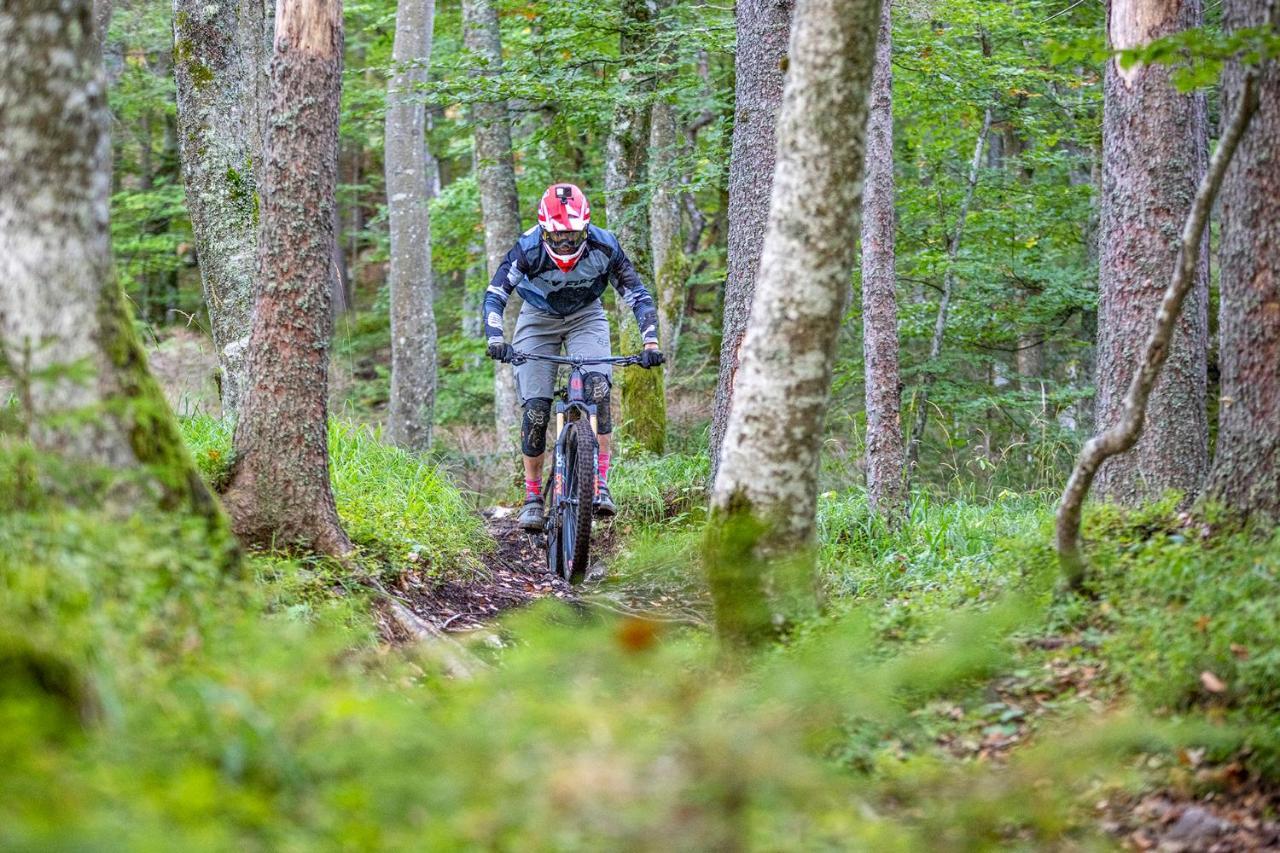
(531, 272)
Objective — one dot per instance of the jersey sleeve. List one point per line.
(504, 281)
(635, 295)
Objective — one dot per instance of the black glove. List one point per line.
(500, 351)
(651, 358)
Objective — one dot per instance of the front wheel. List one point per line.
(575, 510)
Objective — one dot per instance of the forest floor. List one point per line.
(515, 575)
(1161, 643)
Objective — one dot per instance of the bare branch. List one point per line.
(1124, 434)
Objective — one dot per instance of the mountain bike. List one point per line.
(571, 482)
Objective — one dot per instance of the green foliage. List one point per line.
(398, 507)
(1181, 602)
(654, 489)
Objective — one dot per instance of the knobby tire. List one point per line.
(580, 483)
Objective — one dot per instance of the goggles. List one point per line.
(565, 242)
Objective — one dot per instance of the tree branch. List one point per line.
(1124, 434)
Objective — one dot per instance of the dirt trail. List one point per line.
(515, 576)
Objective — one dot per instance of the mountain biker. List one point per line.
(560, 267)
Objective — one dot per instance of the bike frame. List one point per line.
(572, 405)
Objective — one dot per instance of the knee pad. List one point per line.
(595, 387)
(533, 426)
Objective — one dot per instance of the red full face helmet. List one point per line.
(563, 216)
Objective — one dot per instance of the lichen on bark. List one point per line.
(91, 403)
(216, 64)
(769, 460)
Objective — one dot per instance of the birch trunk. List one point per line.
(1154, 152)
(409, 191)
(215, 70)
(763, 28)
(886, 483)
(280, 493)
(499, 201)
(643, 410)
(66, 335)
(760, 559)
(1246, 465)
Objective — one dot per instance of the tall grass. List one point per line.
(399, 507)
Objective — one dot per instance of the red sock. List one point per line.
(532, 488)
(603, 468)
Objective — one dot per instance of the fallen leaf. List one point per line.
(1211, 682)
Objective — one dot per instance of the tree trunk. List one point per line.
(886, 483)
(214, 66)
(1246, 464)
(280, 493)
(409, 191)
(763, 27)
(643, 411)
(499, 201)
(944, 302)
(669, 264)
(66, 335)
(1125, 432)
(1154, 152)
(760, 559)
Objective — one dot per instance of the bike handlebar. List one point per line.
(518, 357)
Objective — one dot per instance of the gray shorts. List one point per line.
(585, 333)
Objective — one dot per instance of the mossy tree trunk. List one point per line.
(886, 480)
(760, 63)
(216, 68)
(1154, 143)
(66, 335)
(1246, 464)
(279, 492)
(409, 191)
(643, 412)
(499, 201)
(760, 547)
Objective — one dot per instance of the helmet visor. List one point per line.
(564, 242)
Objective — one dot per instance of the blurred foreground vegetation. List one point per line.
(950, 699)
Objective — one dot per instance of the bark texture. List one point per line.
(643, 411)
(280, 493)
(1246, 465)
(763, 28)
(1154, 150)
(66, 336)
(669, 266)
(499, 201)
(669, 263)
(766, 490)
(216, 66)
(409, 192)
(1124, 433)
(886, 482)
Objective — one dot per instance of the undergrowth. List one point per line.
(397, 506)
(951, 698)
